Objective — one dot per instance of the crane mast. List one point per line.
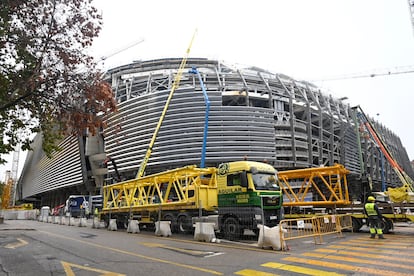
(411, 8)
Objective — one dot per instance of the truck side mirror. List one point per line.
(254, 170)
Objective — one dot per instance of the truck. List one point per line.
(236, 196)
(77, 206)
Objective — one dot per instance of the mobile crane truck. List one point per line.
(236, 196)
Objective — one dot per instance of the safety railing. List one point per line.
(315, 227)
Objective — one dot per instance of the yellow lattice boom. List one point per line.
(188, 186)
(322, 186)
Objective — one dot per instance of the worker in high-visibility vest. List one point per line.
(374, 218)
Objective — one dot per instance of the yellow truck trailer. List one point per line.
(236, 195)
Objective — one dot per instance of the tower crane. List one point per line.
(411, 8)
(9, 192)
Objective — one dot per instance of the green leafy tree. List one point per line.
(48, 83)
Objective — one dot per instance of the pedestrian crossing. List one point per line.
(359, 256)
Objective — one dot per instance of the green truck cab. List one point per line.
(248, 195)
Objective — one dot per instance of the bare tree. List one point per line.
(48, 83)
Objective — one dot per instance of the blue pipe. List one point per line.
(207, 101)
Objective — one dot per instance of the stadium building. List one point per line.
(252, 113)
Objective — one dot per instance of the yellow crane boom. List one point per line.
(167, 103)
(322, 186)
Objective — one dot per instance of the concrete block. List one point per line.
(72, 221)
(163, 228)
(82, 222)
(96, 223)
(112, 225)
(204, 231)
(133, 226)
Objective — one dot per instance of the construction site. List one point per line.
(179, 120)
(200, 162)
(252, 114)
(201, 140)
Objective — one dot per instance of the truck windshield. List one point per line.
(265, 181)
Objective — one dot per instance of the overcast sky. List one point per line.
(305, 39)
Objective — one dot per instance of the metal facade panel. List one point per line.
(42, 174)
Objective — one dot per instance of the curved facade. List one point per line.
(253, 113)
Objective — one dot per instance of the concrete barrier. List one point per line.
(112, 225)
(96, 223)
(72, 221)
(163, 228)
(204, 231)
(82, 222)
(133, 226)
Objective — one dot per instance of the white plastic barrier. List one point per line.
(44, 213)
(163, 228)
(56, 219)
(270, 237)
(133, 226)
(96, 223)
(72, 221)
(112, 225)
(204, 231)
(82, 222)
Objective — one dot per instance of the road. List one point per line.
(38, 248)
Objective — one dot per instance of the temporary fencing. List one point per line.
(315, 227)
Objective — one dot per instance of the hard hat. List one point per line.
(371, 198)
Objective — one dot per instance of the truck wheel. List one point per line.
(184, 224)
(231, 229)
(122, 223)
(387, 225)
(356, 224)
(106, 222)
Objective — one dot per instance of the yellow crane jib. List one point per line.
(322, 186)
(175, 85)
(187, 186)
